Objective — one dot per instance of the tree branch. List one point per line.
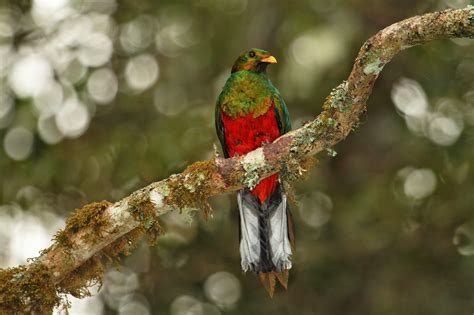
(104, 230)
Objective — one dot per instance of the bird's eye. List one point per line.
(252, 54)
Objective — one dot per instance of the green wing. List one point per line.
(220, 129)
(281, 112)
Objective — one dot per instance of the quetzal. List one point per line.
(249, 113)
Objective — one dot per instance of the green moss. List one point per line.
(296, 169)
(310, 133)
(192, 188)
(61, 238)
(30, 289)
(90, 216)
(77, 282)
(145, 212)
(298, 165)
(91, 272)
(321, 129)
(26, 290)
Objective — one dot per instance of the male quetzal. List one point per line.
(249, 113)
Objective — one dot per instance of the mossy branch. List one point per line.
(99, 232)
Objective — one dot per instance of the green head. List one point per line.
(255, 60)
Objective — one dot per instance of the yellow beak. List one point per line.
(269, 59)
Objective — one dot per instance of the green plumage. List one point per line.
(248, 90)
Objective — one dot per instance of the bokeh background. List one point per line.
(99, 98)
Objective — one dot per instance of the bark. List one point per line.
(105, 230)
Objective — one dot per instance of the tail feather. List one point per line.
(283, 278)
(279, 240)
(267, 279)
(249, 234)
(291, 228)
(266, 237)
(266, 250)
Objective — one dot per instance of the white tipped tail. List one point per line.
(279, 240)
(264, 238)
(249, 235)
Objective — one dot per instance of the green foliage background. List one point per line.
(380, 251)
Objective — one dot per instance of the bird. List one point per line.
(250, 112)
